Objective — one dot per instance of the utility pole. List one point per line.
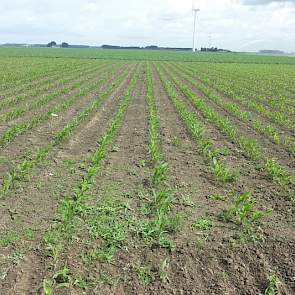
(195, 10)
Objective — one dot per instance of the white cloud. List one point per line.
(233, 24)
(263, 2)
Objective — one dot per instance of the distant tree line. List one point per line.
(51, 44)
(150, 47)
(214, 49)
(54, 44)
(119, 47)
(270, 51)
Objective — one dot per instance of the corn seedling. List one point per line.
(243, 214)
(273, 285)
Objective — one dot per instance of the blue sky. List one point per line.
(244, 25)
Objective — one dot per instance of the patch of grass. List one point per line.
(188, 202)
(103, 254)
(60, 279)
(217, 197)
(8, 238)
(144, 273)
(29, 234)
(155, 231)
(107, 222)
(201, 240)
(63, 277)
(203, 224)
(16, 256)
(70, 165)
(107, 279)
(176, 141)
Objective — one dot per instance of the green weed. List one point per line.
(242, 213)
(163, 272)
(203, 224)
(273, 285)
(7, 238)
(217, 197)
(144, 273)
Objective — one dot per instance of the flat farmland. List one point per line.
(146, 175)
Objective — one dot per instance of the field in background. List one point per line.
(139, 55)
(146, 172)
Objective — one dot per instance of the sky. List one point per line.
(240, 25)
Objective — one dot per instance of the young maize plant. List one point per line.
(44, 99)
(19, 173)
(72, 206)
(241, 94)
(222, 172)
(47, 85)
(250, 146)
(234, 109)
(160, 221)
(11, 133)
(102, 219)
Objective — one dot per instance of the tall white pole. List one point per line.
(195, 29)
